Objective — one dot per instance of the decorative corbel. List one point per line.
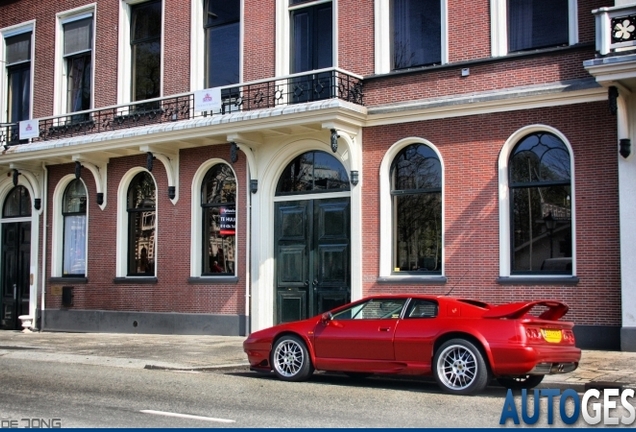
(170, 161)
(98, 169)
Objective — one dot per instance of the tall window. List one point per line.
(78, 47)
(74, 216)
(311, 35)
(416, 192)
(218, 204)
(417, 33)
(540, 206)
(141, 225)
(536, 24)
(222, 34)
(18, 64)
(145, 41)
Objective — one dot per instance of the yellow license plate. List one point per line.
(552, 336)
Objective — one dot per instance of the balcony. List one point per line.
(615, 29)
(293, 89)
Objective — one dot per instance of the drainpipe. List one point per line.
(45, 215)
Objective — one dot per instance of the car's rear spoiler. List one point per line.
(555, 310)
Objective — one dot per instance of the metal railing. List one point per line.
(615, 28)
(291, 89)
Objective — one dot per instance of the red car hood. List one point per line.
(517, 310)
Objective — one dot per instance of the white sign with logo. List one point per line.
(29, 129)
(208, 99)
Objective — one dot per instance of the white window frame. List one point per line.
(60, 72)
(387, 223)
(283, 36)
(384, 39)
(499, 23)
(57, 231)
(196, 221)
(4, 81)
(504, 200)
(197, 44)
(124, 60)
(121, 266)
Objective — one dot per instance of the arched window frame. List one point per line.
(388, 222)
(196, 226)
(505, 261)
(57, 231)
(218, 223)
(123, 226)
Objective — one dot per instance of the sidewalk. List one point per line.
(598, 369)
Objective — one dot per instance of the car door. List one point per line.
(364, 331)
(415, 335)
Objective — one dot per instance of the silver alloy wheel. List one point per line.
(289, 358)
(457, 367)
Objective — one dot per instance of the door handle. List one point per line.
(384, 329)
(15, 292)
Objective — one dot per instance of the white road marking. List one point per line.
(188, 416)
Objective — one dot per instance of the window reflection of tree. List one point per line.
(416, 192)
(539, 173)
(313, 171)
(141, 214)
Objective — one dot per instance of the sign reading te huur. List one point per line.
(208, 99)
(29, 129)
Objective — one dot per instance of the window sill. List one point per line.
(413, 279)
(135, 280)
(538, 280)
(208, 280)
(68, 280)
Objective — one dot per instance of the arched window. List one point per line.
(17, 203)
(218, 205)
(74, 226)
(416, 195)
(539, 180)
(312, 172)
(141, 225)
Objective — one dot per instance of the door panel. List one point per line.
(367, 339)
(16, 260)
(312, 257)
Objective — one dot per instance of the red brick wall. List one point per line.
(259, 52)
(470, 148)
(172, 292)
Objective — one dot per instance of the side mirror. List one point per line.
(326, 317)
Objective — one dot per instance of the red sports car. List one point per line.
(463, 343)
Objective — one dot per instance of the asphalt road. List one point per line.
(50, 393)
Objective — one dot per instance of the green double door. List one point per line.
(313, 257)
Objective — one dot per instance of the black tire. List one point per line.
(459, 368)
(290, 359)
(520, 382)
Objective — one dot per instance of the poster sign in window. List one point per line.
(227, 220)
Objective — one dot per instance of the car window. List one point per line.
(373, 309)
(422, 309)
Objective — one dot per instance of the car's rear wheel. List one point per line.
(290, 359)
(520, 382)
(460, 367)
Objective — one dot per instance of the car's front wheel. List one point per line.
(520, 382)
(460, 367)
(290, 359)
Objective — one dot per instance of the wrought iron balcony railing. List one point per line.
(292, 89)
(615, 29)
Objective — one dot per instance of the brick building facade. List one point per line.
(206, 166)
